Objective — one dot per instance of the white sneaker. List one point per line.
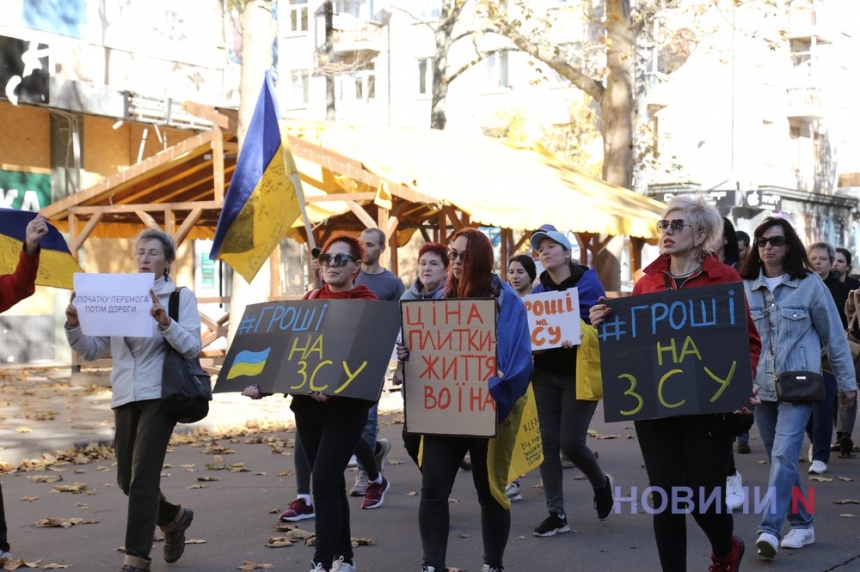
(5, 555)
(767, 545)
(353, 463)
(360, 487)
(817, 468)
(734, 491)
(513, 491)
(798, 538)
(340, 566)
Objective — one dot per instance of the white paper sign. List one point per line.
(115, 304)
(553, 318)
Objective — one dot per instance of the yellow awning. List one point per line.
(497, 185)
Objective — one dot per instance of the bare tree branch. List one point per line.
(428, 23)
(473, 62)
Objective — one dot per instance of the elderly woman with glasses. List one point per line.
(795, 316)
(470, 275)
(680, 451)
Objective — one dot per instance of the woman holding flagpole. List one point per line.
(680, 451)
(143, 426)
(470, 275)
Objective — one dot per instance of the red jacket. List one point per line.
(712, 272)
(15, 287)
(360, 292)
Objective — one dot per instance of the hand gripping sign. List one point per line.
(337, 347)
(678, 352)
(452, 345)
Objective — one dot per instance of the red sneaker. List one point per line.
(375, 494)
(732, 562)
(298, 510)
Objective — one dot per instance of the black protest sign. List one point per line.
(452, 356)
(337, 347)
(677, 352)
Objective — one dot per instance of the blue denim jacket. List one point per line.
(803, 318)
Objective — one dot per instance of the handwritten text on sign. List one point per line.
(115, 304)
(337, 347)
(678, 352)
(452, 347)
(553, 318)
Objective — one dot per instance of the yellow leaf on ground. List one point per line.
(248, 565)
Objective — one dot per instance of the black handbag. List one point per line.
(800, 386)
(186, 388)
(794, 386)
(729, 424)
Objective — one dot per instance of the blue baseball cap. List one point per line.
(553, 235)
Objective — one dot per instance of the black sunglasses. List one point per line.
(676, 225)
(336, 260)
(454, 255)
(761, 241)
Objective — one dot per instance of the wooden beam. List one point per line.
(452, 215)
(170, 222)
(109, 185)
(147, 219)
(341, 197)
(190, 220)
(218, 164)
(209, 113)
(73, 232)
(85, 232)
(362, 215)
(117, 209)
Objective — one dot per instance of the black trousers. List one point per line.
(442, 456)
(679, 452)
(329, 433)
(143, 431)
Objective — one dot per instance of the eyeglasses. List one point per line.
(454, 255)
(676, 225)
(761, 241)
(336, 260)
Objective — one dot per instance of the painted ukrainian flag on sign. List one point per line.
(262, 202)
(56, 265)
(248, 363)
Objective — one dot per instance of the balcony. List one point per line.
(808, 23)
(356, 39)
(805, 103)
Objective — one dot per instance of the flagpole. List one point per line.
(300, 195)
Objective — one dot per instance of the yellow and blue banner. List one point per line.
(249, 363)
(56, 265)
(262, 202)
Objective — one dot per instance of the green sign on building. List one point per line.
(24, 191)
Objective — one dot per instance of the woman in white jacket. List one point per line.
(143, 428)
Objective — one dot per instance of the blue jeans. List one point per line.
(819, 428)
(564, 422)
(781, 425)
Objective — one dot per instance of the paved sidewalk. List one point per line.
(42, 412)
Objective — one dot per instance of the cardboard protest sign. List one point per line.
(337, 347)
(452, 346)
(528, 446)
(678, 352)
(104, 312)
(553, 318)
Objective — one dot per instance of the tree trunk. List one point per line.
(328, 48)
(616, 125)
(442, 34)
(258, 33)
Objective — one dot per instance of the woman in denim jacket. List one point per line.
(795, 317)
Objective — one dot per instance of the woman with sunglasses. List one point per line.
(329, 427)
(680, 451)
(470, 275)
(795, 316)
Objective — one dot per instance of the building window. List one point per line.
(297, 17)
(425, 76)
(359, 86)
(297, 89)
(497, 66)
(428, 9)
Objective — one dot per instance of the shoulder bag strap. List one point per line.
(769, 336)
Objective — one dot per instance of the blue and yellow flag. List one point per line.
(249, 363)
(56, 265)
(262, 202)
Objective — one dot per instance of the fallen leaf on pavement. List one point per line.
(356, 542)
(820, 479)
(76, 488)
(52, 522)
(278, 542)
(55, 566)
(199, 487)
(248, 565)
(207, 479)
(195, 541)
(29, 499)
(15, 564)
(847, 501)
(23, 430)
(46, 478)
(411, 494)
(464, 535)
(845, 479)
(848, 516)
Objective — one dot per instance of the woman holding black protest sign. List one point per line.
(681, 451)
(143, 425)
(470, 275)
(795, 317)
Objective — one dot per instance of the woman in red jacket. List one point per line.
(680, 451)
(329, 427)
(14, 288)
